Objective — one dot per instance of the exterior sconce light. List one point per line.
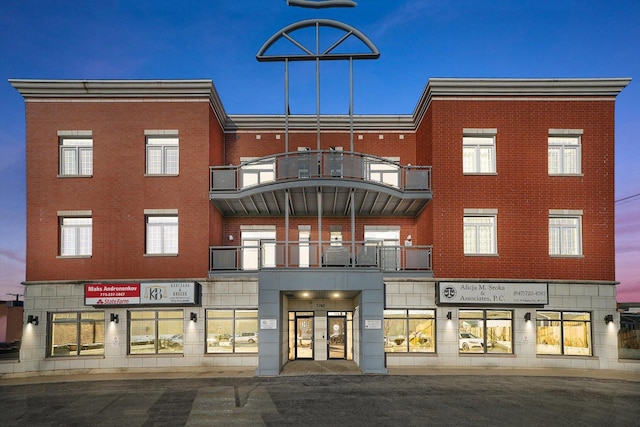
(608, 318)
(115, 317)
(449, 316)
(231, 237)
(34, 320)
(194, 317)
(527, 316)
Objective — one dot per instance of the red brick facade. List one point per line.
(521, 191)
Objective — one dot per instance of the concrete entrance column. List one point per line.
(272, 354)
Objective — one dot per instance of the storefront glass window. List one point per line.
(77, 334)
(232, 331)
(485, 331)
(156, 332)
(410, 331)
(567, 333)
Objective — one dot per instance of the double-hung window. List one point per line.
(163, 154)
(76, 153)
(565, 233)
(76, 230)
(480, 234)
(479, 151)
(162, 232)
(565, 152)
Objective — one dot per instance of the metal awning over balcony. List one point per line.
(320, 182)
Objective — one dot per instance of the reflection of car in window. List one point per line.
(468, 341)
(245, 337)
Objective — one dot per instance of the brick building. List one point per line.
(163, 233)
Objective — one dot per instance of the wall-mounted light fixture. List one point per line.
(230, 237)
(527, 316)
(115, 317)
(34, 320)
(449, 315)
(194, 317)
(608, 318)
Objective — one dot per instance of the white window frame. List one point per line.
(479, 151)
(565, 233)
(258, 247)
(162, 155)
(161, 234)
(76, 234)
(384, 172)
(476, 225)
(76, 156)
(565, 152)
(257, 172)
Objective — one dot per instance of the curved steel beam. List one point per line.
(318, 4)
(309, 54)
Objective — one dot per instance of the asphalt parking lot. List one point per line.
(324, 400)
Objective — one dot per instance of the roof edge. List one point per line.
(83, 89)
(508, 87)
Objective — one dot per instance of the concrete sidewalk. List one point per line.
(313, 368)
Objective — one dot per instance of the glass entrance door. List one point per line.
(337, 330)
(304, 337)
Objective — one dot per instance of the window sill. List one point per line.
(68, 357)
(485, 255)
(75, 176)
(480, 173)
(160, 175)
(510, 355)
(575, 175)
(156, 355)
(73, 257)
(159, 255)
(566, 256)
(564, 356)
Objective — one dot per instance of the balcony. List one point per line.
(313, 254)
(320, 182)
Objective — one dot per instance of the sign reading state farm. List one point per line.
(140, 293)
(493, 293)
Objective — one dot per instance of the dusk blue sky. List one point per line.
(218, 40)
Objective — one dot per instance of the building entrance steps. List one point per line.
(295, 368)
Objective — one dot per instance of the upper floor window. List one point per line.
(479, 151)
(76, 229)
(480, 232)
(565, 152)
(257, 172)
(76, 153)
(162, 233)
(163, 155)
(384, 172)
(565, 233)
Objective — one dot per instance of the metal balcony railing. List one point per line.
(313, 254)
(301, 165)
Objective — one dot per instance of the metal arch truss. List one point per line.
(310, 54)
(318, 4)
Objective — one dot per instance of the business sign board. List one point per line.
(170, 293)
(493, 293)
(111, 294)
